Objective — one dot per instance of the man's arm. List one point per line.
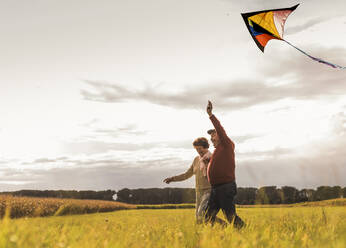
(216, 123)
(181, 177)
(220, 130)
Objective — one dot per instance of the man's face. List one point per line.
(201, 150)
(215, 139)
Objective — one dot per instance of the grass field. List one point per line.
(266, 227)
(325, 203)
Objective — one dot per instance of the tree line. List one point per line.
(245, 196)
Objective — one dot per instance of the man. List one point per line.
(199, 169)
(221, 175)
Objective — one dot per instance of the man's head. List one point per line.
(201, 145)
(214, 137)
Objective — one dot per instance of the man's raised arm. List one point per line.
(216, 123)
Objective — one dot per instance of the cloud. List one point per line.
(94, 147)
(102, 160)
(100, 138)
(106, 92)
(308, 172)
(48, 160)
(187, 144)
(243, 138)
(339, 124)
(96, 174)
(99, 147)
(272, 154)
(306, 25)
(106, 174)
(74, 161)
(299, 73)
(128, 130)
(14, 176)
(320, 163)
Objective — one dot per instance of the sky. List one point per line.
(98, 95)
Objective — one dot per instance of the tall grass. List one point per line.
(34, 206)
(266, 227)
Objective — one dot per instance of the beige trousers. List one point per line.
(202, 197)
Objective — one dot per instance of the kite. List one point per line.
(269, 24)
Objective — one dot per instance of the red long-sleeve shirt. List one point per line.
(222, 164)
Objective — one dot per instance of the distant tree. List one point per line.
(288, 194)
(268, 195)
(157, 196)
(327, 192)
(305, 195)
(337, 191)
(246, 196)
(261, 196)
(124, 195)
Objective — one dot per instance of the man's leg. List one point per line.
(204, 206)
(226, 199)
(212, 207)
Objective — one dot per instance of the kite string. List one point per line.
(316, 59)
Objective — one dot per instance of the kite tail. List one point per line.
(316, 59)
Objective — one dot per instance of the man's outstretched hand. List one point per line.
(210, 108)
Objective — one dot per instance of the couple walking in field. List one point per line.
(214, 175)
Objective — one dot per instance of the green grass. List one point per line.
(266, 227)
(166, 206)
(325, 203)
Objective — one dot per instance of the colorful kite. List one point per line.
(269, 24)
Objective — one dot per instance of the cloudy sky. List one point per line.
(110, 94)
